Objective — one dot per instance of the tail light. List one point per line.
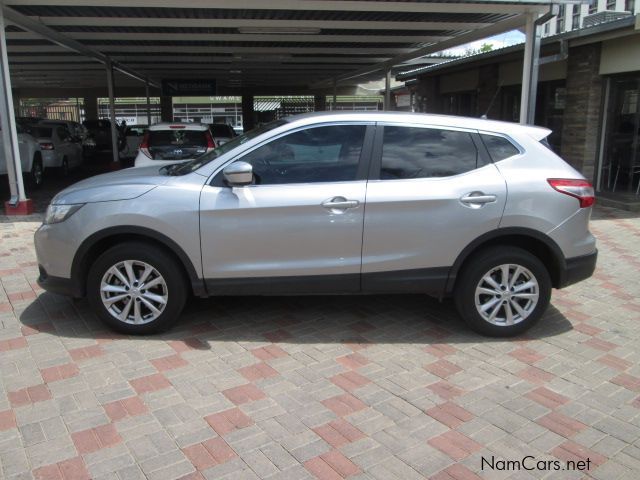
(47, 146)
(580, 189)
(211, 144)
(177, 127)
(144, 145)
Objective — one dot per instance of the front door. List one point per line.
(298, 228)
(430, 194)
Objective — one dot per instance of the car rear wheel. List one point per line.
(137, 288)
(503, 292)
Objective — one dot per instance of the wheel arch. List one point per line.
(98, 242)
(533, 241)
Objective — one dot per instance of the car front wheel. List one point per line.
(136, 288)
(503, 292)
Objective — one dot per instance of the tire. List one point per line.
(530, 291)
(36, 175)
(172, 288)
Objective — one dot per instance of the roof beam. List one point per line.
(253, 23)
(510, 23)
(236, 37)
(113, 50)
(66, 42)
(495, 6)
(18, 58)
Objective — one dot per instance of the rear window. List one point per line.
(177, 144)
(499, 147)
(41, 132)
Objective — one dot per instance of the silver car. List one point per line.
(331, 203)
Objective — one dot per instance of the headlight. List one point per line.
(59, 213)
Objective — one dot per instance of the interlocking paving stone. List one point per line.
(380, 387)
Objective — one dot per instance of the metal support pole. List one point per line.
(8, 123)
(387, 91)
(148, 103)
(112, 112)
(530, 68)
(335, 94)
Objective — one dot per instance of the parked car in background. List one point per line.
(332, 203)
(26, 122)
(221, 133)
(134, 135)
(165, 143)
(60, 148)
(100, 132)
(30, 158)
(76, 129)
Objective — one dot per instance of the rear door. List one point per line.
(431, 192)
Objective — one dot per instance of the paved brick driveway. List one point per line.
(360, 387)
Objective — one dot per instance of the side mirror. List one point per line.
(238, 174)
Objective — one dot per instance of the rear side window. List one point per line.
(410, 152)
(499, 147)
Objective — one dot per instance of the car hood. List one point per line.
(121, 185)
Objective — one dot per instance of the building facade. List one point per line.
(588, 95)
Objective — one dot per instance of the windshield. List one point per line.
(193, 165)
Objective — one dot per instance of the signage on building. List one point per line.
(403, 100)
(188, 88)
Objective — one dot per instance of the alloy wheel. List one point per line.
(507, 294)
(134, 292)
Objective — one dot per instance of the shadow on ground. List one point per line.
(411, 319)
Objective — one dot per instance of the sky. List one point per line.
(498, 41)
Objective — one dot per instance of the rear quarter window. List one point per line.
(499, 147)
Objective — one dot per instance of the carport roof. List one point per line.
(247, 45)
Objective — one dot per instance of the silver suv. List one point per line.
(331, 203)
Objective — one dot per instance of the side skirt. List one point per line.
(430, 281)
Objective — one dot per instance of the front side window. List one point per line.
(411, 152)
(321, 154)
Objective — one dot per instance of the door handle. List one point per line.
(477, 199)
(340, 203)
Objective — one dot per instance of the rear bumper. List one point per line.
(578, 269)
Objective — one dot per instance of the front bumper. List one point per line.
(59, 285)
(578, 269)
